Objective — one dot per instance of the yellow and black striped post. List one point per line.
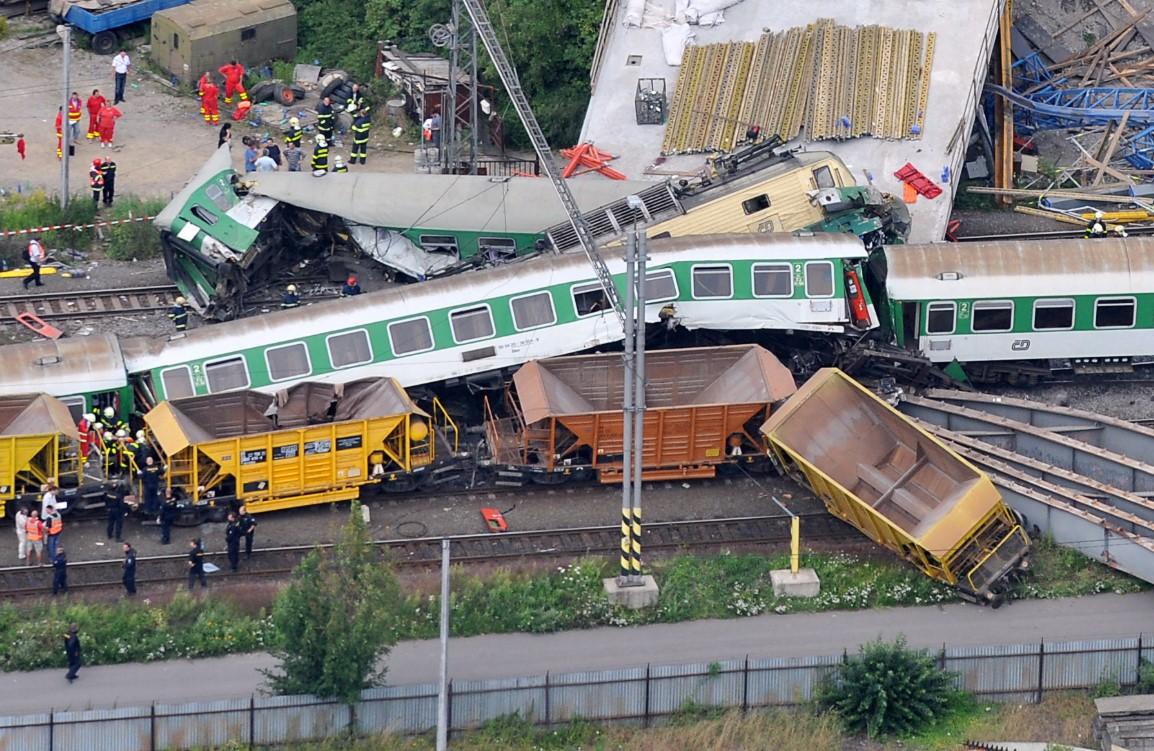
(626, 543)
(635, 558)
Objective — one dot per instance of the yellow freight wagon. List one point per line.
(899, 485)
(313, 443)
(38, 440)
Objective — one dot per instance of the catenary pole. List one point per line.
(628, 392)
(640, 250)
(65, 32)
(443, 689)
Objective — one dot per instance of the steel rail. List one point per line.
(89, 303)
(425, 551)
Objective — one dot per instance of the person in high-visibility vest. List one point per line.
(179, 314)
(294, 132)
(53, 527)
(75, 112)
(320, 162)
(360, 129)
(59, 132)
(96, 182)
(34, 534)
(203, 81)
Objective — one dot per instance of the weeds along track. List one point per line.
(465, 549)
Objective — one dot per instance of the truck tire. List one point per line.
(264, 91)
(285, 95)
(337, 80)
(105, 42)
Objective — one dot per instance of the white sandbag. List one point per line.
(634, 12)
(674, 40)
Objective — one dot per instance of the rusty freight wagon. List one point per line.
(312, 443)
(703, 409)
(38, 440)
(897, 484)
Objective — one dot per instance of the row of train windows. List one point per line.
(1049, 315)
(415, 335)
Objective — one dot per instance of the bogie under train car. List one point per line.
(899, 485)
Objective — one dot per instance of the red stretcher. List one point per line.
(919, 182)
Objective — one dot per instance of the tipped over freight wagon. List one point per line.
(38, 441)
(898, 485)
(312, 443)
(703, 410)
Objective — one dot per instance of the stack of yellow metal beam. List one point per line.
(832, 81)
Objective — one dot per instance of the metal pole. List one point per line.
(449, 113)
(65, 32)
(474, 100)
(628, 393)
(641, 249)
(443, 689)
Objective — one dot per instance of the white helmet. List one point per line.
(338, 161)
(1098, 214)
(181, 301)
(291, 288)
(98, 426)
(108, 436)
(122, 434)
(109, 412)
(321, 141)
(140, 435)
(89, 417)
(294, 122)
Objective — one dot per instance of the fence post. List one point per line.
(548, 713)
(51, 730)
(645, 722)
(1138, 662)
(152, 727)
(251, 721)
(449, 702)
(1041, 669)
(745, 687)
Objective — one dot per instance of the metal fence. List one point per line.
(1015, 672)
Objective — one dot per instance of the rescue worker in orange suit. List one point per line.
(75, 112)
(233, 81)
(95, 103)
(203, 81)
(59, 132)
(107, 124)
(210, 103)
(96, 182)
(84, 433)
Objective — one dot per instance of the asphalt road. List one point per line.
(509, 655)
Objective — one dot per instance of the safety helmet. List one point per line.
(96, 162)
(108, 436)
(89, 417)
(321, 141)
(1098, 214)
(291, 288)
(122, 434)
(140, 434)
(98, 426)
(181, 301)
(338, 161)
(294, 122)
(109, 412)
(352, 279)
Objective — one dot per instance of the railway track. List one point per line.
(426, 551)
(89, 303)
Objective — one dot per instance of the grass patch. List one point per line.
(1063, 717)
(1062, 572)
(124, 242)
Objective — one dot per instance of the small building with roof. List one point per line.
(206, 34)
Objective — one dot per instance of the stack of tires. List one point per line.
(337, 85)
(276, 91)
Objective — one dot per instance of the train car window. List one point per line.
(439, 243)
(823, 177)
(75, 406)
(204, 215)
(992, 315)
(289, 361)
(533, 310)
(413, 335)
(589, 299)
(660, 285)
(1053, 314)
(472, 324)
(940, 318)
(755, 204)
(772, 280)
(350, 348)
(218, 197)
(226, 375)
(712, 282)
(819, 279)
(1114, 313)
(497, 248)
(177, 383)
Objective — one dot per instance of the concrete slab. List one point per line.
(804, 583)
(966, 30)
(634, 598)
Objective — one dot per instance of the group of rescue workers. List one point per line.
(102, 118)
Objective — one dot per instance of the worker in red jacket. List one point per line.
(106, 122)
(75, 112)
(96, 103)
(59, 132)
(203, 81)
(210, 103)
(233, 81)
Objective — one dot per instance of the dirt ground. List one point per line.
(160, 141)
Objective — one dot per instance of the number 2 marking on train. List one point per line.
(1020, 345)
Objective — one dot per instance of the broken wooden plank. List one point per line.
(1114, 138)
(1144, 27)
(1042, 40)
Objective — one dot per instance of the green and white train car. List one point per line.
(1024, 310)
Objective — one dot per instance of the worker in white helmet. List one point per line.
(178, 314)
(339, 164)
(290, 299)
(294, 134)
(320, 163)
(1097, 226)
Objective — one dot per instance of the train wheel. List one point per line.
(403, 484)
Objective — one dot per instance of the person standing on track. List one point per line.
(22, 533)
(53, 528)
(178, 313)
(59, 572)
(232, 535)
(34, 256)
(196, 564)
(72, 650)
(106, 121)
(116, 511)
(248, 529)
(120, 65)
(210, 103)
(75, 112)
(168, 513)
(233, 81)
(108, 170)
(150, 476)
(34, 533)
(128, 578)
(94, 104)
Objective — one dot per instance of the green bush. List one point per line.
(134, 241)
(125, 242)
(3, 27)
(889, 689)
